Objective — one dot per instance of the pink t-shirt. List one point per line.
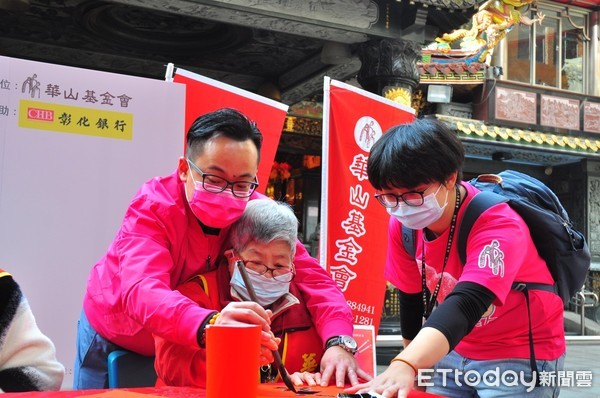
(499, 252)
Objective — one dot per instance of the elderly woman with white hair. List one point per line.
(264, 239)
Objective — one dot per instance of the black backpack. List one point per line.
(562, 247)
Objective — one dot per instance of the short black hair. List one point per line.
(227, 122)
(420, 152)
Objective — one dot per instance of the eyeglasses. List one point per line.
(215, 184)
(412, 198)
(280, 273)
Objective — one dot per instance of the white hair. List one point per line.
(265, 220)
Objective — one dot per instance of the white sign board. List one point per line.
(75, 146)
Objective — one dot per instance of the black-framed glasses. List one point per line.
(215, 184)
(279, 273)
(411, 198)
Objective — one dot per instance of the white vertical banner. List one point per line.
(75, 146)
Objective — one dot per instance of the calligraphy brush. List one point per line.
(278, 362)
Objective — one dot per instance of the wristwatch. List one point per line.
(346, 342)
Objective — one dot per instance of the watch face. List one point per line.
(348, 342)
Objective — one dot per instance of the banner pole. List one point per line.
(169, 72)
(323, 237)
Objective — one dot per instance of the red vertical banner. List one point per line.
(353, 224)
(205, 95)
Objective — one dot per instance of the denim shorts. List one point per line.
(91, 357)
(456, 376)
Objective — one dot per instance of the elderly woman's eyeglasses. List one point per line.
(279, 273)
(411, 198)
(215, 184)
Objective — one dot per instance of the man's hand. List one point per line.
(341, 364)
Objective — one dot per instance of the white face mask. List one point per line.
(268, 290)
(419, 217)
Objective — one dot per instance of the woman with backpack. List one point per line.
(465, 328)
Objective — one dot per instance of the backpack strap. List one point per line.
(480, 203)
(409, 240)
(523, 287)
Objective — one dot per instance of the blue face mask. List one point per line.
(419, 217)
(268, 290)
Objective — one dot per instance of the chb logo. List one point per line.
(44, 115)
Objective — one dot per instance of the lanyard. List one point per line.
(428, 303)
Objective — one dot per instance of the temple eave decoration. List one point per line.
(452, 72)
(478, 130)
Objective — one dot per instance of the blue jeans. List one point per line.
(456, 377)
(91, 357)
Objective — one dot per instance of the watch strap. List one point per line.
(332, 341)
(339, 342)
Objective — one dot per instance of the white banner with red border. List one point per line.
(205, 95)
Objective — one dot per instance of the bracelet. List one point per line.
(213, 319)
(414, 368)
(202, 330)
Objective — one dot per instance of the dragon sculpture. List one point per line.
(489, 25)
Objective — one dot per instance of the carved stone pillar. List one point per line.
(593, 211)
(389, 68)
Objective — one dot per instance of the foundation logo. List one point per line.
(366, 132)
(42, 115)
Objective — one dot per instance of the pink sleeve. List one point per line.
(325, 301)
(500, 251)
(401, 269)
(146, 267)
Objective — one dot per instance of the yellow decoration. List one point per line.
(537, 137)
(514, 135)
(399, 95)
(558, 140)
(502, 134)
(489, 25)
(547, 139)
(525, 135)
(580, 143)
(480, 131)
(592, 145)
(470, 127)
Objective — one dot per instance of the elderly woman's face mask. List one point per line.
(270, 270)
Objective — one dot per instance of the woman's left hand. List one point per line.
(396, 381)
(308, 378)
(341, 365)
